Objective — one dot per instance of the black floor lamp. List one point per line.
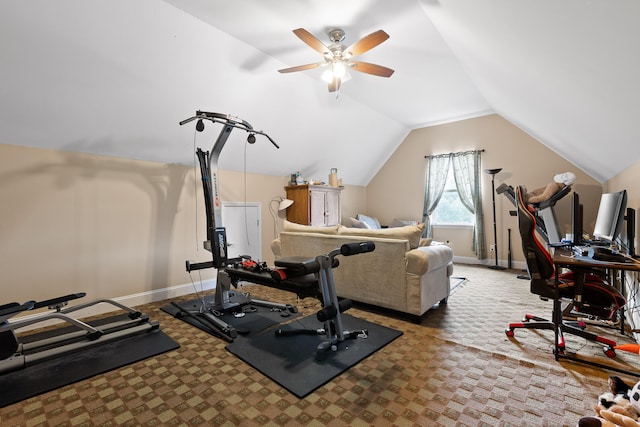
(493, 173)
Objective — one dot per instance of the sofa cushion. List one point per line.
(356, 223)
(402, 222)
(370, 222)
(412, 233)
(299, 228)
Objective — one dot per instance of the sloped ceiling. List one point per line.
(115, 77)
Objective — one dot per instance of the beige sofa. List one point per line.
(403, 273)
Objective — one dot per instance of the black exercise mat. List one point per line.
(250, 324)
(291, 360)
(70, 368)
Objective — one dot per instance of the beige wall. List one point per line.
(629, 179)
(112, 227)
(78, 223)
(397, 189)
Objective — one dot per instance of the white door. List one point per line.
(242, 222)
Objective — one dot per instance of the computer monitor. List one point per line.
(631, 232)
(610, 216)
(576, 220)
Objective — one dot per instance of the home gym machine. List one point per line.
(303, 276)
(225, 300)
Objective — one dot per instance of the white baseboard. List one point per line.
(132, 300)
(518, 265)
(165, 293)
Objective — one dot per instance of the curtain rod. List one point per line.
(449, 154)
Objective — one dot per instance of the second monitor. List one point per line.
(609, 220)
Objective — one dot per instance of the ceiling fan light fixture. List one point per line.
(339, 69)
(336, 70)
(339, 59)
(327, 76)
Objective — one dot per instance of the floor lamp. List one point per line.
(282, 205)
(493, 173)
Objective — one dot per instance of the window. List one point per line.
(450, 210)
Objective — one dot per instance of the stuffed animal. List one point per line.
(620, 407)
(618, 394)
(608, 418)
(560, 181)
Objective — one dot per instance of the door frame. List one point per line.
(257, 205)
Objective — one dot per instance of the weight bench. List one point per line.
(17, 352)
(311, 277)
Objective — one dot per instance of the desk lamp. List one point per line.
(493, 173)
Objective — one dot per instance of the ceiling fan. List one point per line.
(339, 58)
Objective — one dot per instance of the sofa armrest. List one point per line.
(428, 258)
(276, 248)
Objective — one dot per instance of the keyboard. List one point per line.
(600, 253)
(589, 243)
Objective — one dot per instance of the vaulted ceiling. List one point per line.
(115, 77)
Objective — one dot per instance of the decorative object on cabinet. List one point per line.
(333, 177)
(283, 204)
(317, 205)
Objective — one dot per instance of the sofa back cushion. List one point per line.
(412, 233)
(299, 228)
(369, 221)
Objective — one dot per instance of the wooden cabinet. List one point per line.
(317, 205)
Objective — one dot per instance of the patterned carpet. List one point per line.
(456, 367)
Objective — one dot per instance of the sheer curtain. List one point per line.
(466, 172)
(437, 171)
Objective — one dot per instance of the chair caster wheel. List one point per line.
(609, 352)
(559, 351)
(510, 333)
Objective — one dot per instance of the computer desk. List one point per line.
(580, 265)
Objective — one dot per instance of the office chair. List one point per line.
(590, 295)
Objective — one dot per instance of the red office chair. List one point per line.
(597, 298)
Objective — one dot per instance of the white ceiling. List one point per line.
(115, 77)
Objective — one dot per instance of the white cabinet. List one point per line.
(317, 205)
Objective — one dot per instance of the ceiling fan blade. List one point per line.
(366, 43)
(311, 40)
(376, 70)
(301, 67)
(334, 85)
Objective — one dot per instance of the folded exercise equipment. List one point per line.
(17, 351)
(546, 224)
